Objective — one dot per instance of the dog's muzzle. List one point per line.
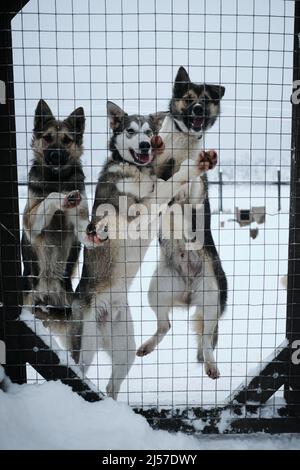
(56, 157)
(144, 147)
(198, 117)
(198, 110)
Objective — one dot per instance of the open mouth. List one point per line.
(197, 123)
(141, 158)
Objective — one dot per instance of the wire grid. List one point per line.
(73, 53)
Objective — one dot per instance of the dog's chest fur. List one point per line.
(137, 182)
(138, 185)
(124, 179)
(50, 257)
(178, 147)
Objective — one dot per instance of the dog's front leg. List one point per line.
(78, 213)
(189, 170)
(40, 215)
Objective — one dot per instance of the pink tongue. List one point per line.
(143, 158)
(197, 122)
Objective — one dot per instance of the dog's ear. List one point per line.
(115, 114)
(181, 83)
(76, 121)
(42, 116)
(215, 91)
(156, 120)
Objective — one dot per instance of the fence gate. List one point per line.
(73, 53)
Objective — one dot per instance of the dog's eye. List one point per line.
(66, 140)
(149, 132)
(131, 131)
(189, 99)
(48, 138)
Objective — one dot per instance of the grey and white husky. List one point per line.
(101, 305)
(191, 277)
(55, 217)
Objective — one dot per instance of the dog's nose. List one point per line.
(56, 157)
(198, 110)
(144, 147)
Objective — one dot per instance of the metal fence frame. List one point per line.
(24, 346)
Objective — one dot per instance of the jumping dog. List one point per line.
(101, 306)
(189, 277)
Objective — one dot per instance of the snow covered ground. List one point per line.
(51, 416)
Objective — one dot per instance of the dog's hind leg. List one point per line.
(206, 320)
(163, 326)
(198, 325)
(164, 291)
(119, 342)
(89, 341)
(215, 336)
(210, 324)
(75, 328)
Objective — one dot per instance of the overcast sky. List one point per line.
(81, 53)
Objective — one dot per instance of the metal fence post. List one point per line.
(10, 292)
(292, 388)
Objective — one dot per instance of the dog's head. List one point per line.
(132, 135)
(55, 143)
(195, 107)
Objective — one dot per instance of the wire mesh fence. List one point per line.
(76, 55)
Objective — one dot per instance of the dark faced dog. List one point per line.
(56, 215)
(57, 145)
(194, 276)
(195, 107)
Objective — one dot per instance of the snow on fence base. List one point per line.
(221, 420)
(246, 409)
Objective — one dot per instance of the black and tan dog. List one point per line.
(55, 217)
(189, 277)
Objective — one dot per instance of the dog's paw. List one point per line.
(145, 349)
(211, 370)
(110, 390)
(157, 144)
(181, 196)
(207, 160)
(102, 230)
(97, 234)
(91, 229)
(72, 200)
(90, 239)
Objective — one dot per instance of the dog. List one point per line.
(189, 277)
(55, 217)
(100, 308)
